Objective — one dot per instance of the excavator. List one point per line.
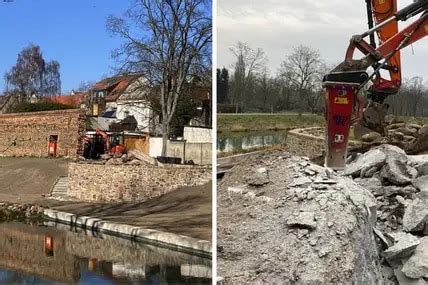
(352, 76)
(102, 143)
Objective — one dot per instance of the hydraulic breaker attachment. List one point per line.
(339, 101)
(349, 77)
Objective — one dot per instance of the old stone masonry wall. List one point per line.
(99, 182)
(27, 134)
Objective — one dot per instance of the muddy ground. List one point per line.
(24, 179)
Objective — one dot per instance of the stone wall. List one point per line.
(98, 182)
(27, 134)
(301, 142)
(309, 142)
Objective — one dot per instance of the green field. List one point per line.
(264, 122)
(286, 121)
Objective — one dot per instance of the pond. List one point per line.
(53, 254)
(236, 141)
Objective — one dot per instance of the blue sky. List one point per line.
(70, 31)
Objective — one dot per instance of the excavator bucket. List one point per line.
(339, 102)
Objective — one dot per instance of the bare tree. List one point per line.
(411, 98)
(85, 86)
(32, 74)
(248, 63)
(52, 79)
(302, 69)
(167, 42)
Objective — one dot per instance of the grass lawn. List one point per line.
(286, 121)
(263, 122)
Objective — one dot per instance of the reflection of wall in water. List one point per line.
(22, 249)
(135, 260)
(118, 250)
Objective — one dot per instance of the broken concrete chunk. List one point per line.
(302, 219)
(421, 183)
(404, 280)
(422, 168)
(325, 181)
(261, 170)
(397, 190)
(369, 172)
(396, 171)
(257, 178)
(407, 131)
(413, 126)
(238, 189)
(385, 242)
(392, 150)
(370, 159)
(301, 180)
(309, 172)
(416, 214)
(404, 245)
(417, 265)
(395, 126)
(370, 137)
(423, 130)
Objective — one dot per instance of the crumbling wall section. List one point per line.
(306, 142)
(27, 134)
(309, 142)
(100, 182)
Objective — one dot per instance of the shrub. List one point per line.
(40, 106)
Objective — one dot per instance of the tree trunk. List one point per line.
(165, 136)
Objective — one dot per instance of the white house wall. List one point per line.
(155, 147)
(139, 110)
(197, 135)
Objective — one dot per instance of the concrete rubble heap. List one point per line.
(409, 136)
(400, 184)
(283, 218)
(117, 159)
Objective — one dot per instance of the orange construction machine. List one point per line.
(100, 143)
(345, 81)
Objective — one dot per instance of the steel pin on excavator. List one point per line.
(345, 81)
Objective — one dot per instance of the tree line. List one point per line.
(297, 85)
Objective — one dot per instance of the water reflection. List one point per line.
(47, 255)
(247, 140)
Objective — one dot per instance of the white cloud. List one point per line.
(277, 26)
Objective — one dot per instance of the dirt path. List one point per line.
(26, 179)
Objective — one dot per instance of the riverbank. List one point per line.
(262, 122)
(20, 212)
(178, 219)
(254, 149)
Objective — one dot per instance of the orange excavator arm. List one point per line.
(382, 10)
(105, 138)
(345, 81)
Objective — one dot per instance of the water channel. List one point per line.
(236, 141)
(54, 254)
